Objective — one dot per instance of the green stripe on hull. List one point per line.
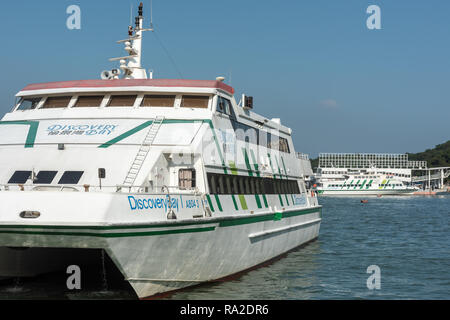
(233, 168)
(111, 235)
(219, 205)
(274, 176)
(32, 130)
(255, 164)
(247, 162)
(210, 202)
(234, 202)
(362, 186)
(126, 134)
(258, 201)
(269, 217)
(265, 201)
(243, 202)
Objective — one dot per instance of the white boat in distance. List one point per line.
(176, 182)
(347, 174)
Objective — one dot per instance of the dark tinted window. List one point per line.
(28, 103)
(71, 177)
(88, 101)
(158, 101)
(224, 106)
(56, 102)
(195, 102)
(20, 177)
(45, 177)
(122, 101)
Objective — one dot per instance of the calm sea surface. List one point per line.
(408, 238)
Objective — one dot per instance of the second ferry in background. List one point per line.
(365, 174)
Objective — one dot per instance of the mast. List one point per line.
(135, 51)
(131, 65)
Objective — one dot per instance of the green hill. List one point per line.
(439, 156)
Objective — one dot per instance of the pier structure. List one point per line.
(432, 177)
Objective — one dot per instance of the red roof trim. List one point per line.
(130, 83)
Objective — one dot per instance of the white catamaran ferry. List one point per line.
(176, 182)
(365, 174)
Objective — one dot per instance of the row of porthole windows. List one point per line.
(348, 185)
(367, 185)
(95, 101)
(233, 184)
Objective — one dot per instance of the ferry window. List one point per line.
(269, 186)
(224, 106)
(122, 101)
(244, 132)
(241, 185)
(289, 187)
(261, 186)
(281, 144)
(88, 101)
(56, 102)
(228, 185)
(220, 105)
(20, 177)
(45, 177)
(158, 101)
(212, 184)
(186, 178)
(71, 177)
(195, 102)
(28, 103)
(235, 186)
(221, 185)
(284, 187)
(247, 186)
(257, 186)
(284, 146)
(295, 187)
(276, 188)
(273, 142)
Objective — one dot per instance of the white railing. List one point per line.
(302, 156)
(368, 160)
(103, 188)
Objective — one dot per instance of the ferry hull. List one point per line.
(214, 255)
(163, 256)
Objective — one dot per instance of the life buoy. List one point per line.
(312, 193)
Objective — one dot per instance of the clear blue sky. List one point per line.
(312, 63)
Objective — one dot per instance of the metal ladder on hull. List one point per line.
(141, 155)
